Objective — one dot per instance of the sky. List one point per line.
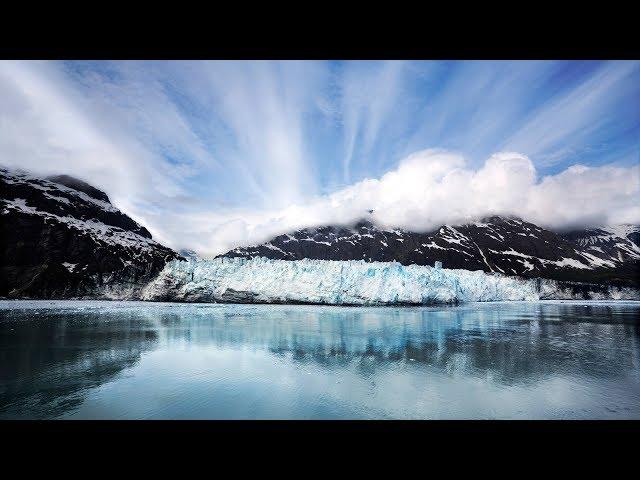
(214, 155)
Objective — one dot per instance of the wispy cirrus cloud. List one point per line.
(577, 119)
(370, 94)
(214, 154)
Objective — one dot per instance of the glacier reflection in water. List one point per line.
(90, 359)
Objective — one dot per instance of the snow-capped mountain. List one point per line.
(617, 243)
(63, 238)
(495, 244)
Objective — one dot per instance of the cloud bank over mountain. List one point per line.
(431, 188)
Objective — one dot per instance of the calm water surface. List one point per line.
(130, 360)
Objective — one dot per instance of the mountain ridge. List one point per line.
(504, 244)
(62, 238)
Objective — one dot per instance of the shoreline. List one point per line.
(8, 304)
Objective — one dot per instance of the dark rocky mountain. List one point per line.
(495, 244)
(63, 238)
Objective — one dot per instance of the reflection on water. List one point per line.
(139, 360)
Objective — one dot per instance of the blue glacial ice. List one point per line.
(262, 280)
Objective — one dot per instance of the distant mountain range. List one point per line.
(605, 254)
(62, 238)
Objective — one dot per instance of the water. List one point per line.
(131, 360)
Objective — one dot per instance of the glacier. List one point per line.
(354, 282)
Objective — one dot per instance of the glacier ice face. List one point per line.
(263, 280)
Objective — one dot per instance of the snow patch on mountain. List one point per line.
(49, 186)
(69, 266)
(99, 231)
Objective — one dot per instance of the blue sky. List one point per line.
(208, 153)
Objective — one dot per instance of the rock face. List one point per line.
(62, 238)
(498, 244)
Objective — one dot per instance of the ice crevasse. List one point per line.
(263, 280)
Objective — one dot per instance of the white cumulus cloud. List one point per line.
(428, 189)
